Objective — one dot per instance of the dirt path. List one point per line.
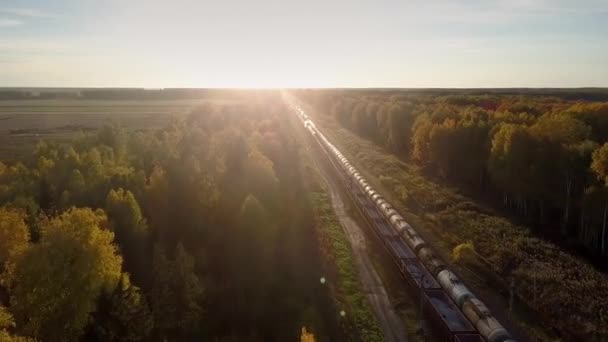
(389, 321)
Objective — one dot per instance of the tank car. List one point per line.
(431, 261)
(454, 287)
(413, 240)
(480, 316)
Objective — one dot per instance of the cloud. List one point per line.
(503, 11)
(10, 22)
(27, 12)
(50, 47)
(552, 7)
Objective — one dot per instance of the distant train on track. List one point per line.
(416, 259)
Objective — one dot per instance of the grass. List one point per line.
(346, 284)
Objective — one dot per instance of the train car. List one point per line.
(454, 287)
(479, 314)
(431, 261)
(446, 320)
(411, 238)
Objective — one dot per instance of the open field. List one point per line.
(24, 122)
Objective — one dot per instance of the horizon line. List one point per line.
(293, 88)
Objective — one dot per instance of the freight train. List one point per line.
(447, 298)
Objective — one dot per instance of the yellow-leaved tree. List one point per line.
(14, 240)
(6, 323)
(306, 336)
(58, 280)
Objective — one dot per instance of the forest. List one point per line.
(543, 159)
(206, 226)
(200, 230)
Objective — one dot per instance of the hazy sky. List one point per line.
(327, 43)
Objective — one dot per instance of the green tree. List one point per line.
(563, 129)
(342, 111)
(123, 314)
(156, 201)
(443, 147)
(131, 231)
(591, 226)
(189, 290)
(421, 139)
(399, 123)
(518, 164)
(58, 280)
(574, 170)
(566, 141)
(595, 115)
(176, 295)
(600, 166)
(229, 148)
(358, 118)
(255, 242)
(114, 136)
(125, 214)
(19, 187)
(370, 123)
(260, 178)
(162, 295)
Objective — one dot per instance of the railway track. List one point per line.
(454, 312)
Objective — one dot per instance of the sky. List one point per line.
(306, 43)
